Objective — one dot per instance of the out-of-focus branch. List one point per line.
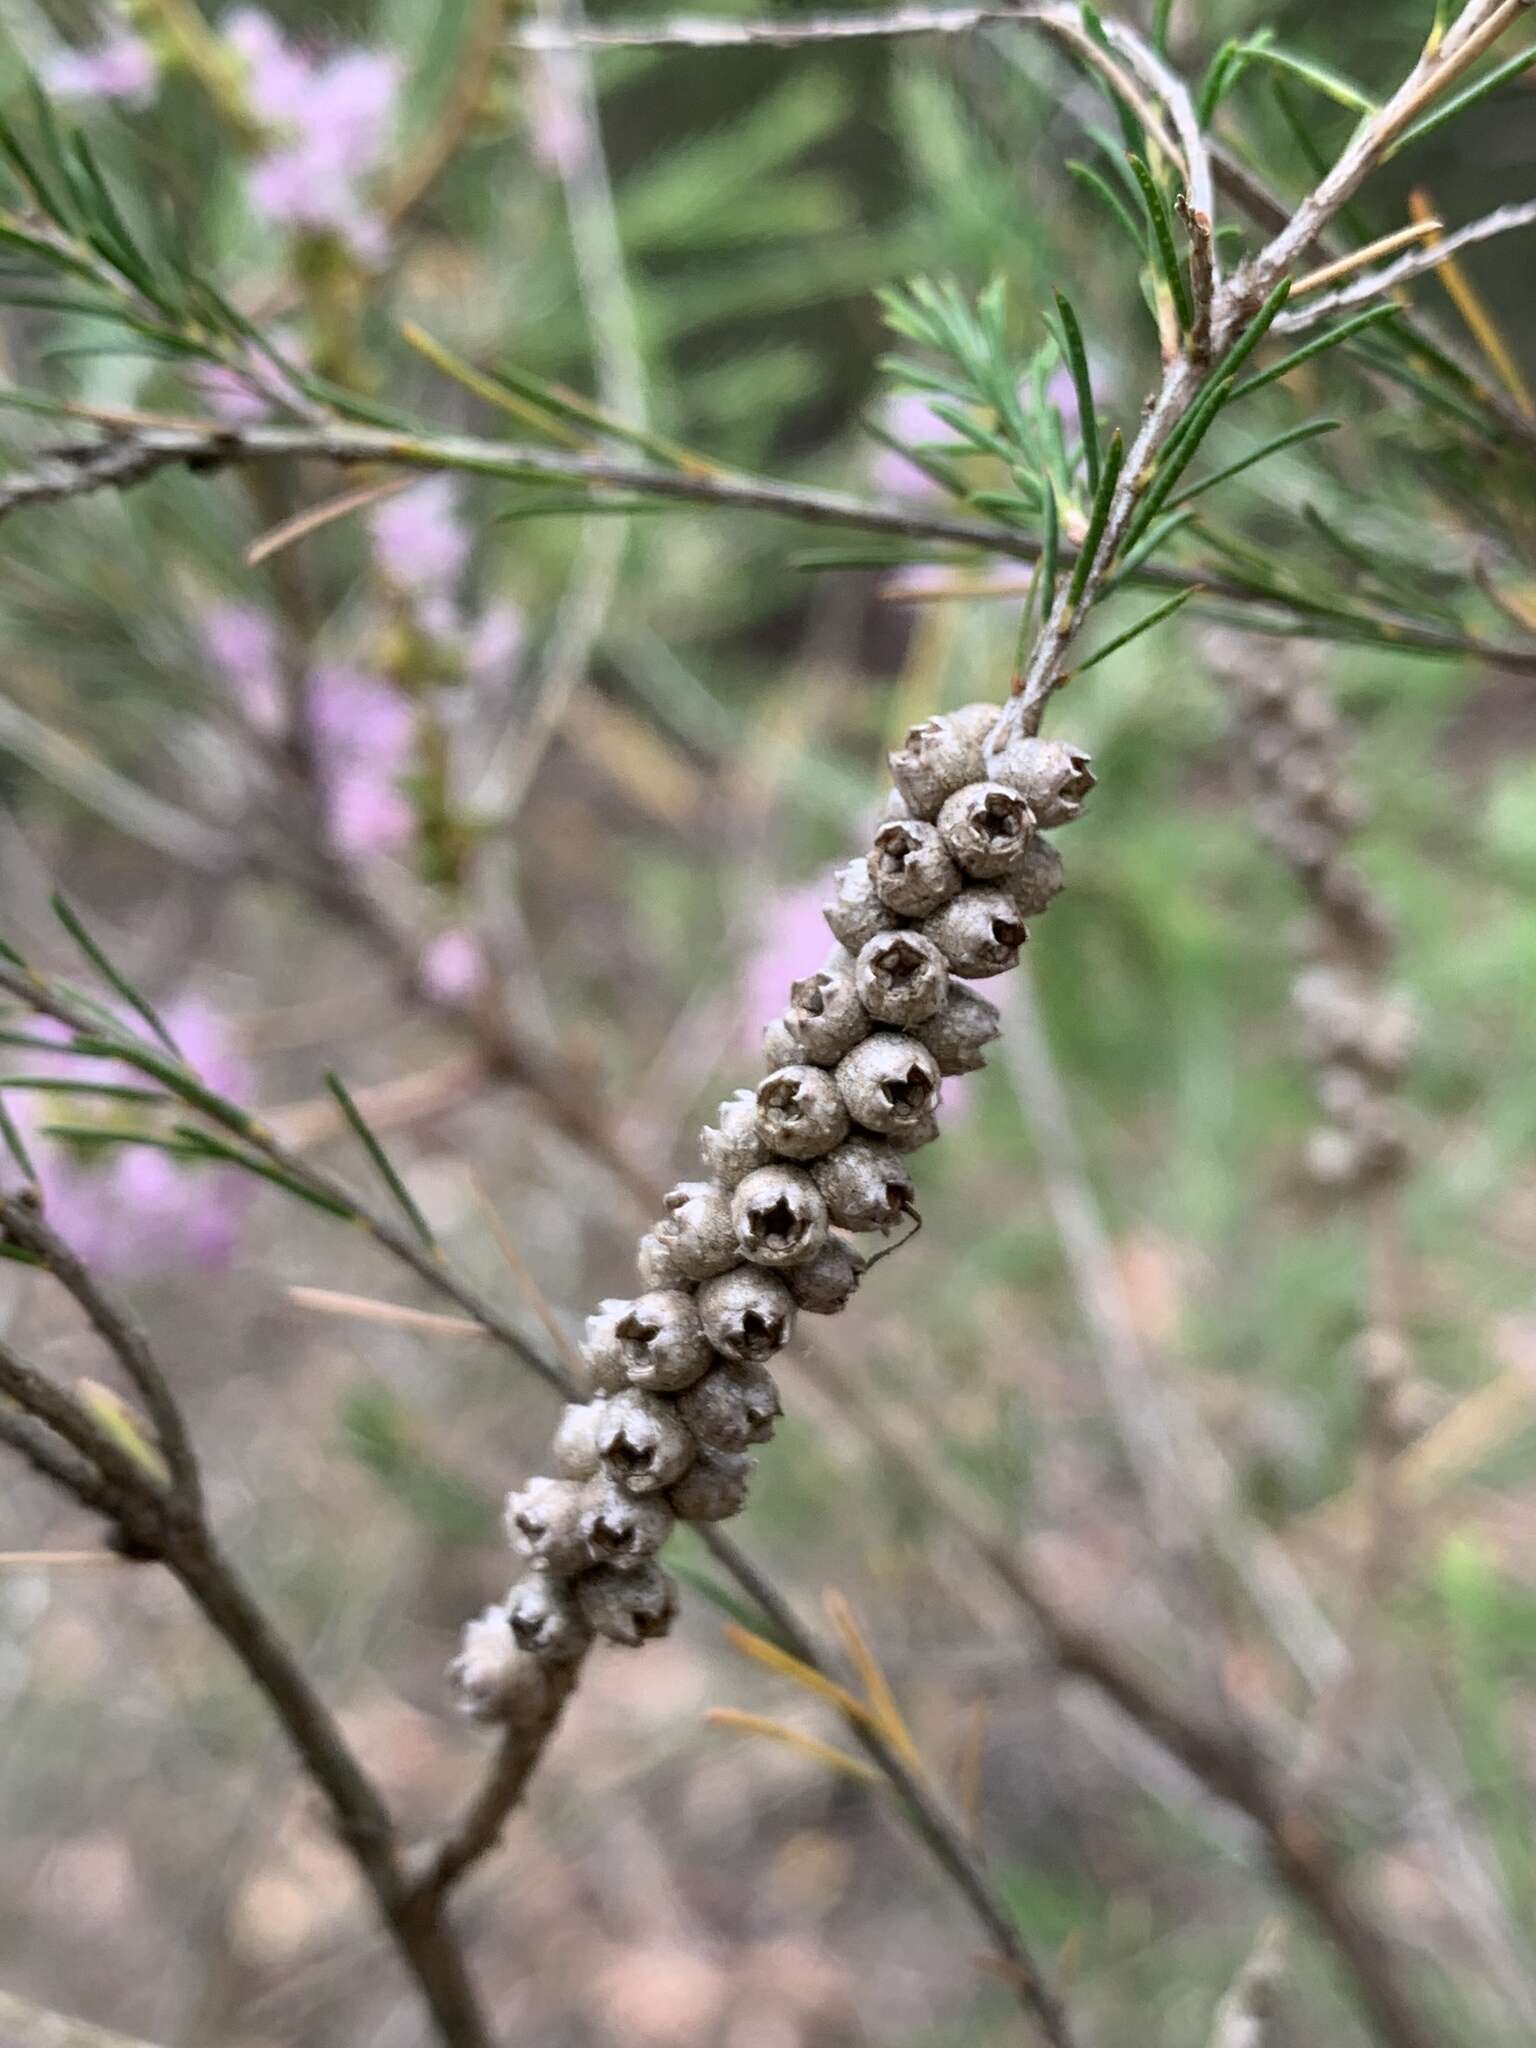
(1376, 283)
(129, 456)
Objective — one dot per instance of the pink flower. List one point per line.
(364, 732)
(331, 121)
(242, 643)
(792, 941)
(495, 640)
(453, 966)
(122, 68)
(908, 417)
(418, 539)
(130, 1208)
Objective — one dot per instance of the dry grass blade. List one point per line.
(808, 1745)
(315, 517)
(324, 1301)
(527, 1286)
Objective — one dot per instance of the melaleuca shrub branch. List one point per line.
(798, 1170)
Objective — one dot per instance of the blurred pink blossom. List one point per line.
(364, 731)
(453, 965)
(909, 417)
(120, 68)
(792, 941)
(495, 640)
(556, 134)
(242, 642)
(331, 120)
(134, 1208)
(418, 539)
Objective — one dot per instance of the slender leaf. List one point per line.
(1458, 103)
(1082, 381)
(381, 1160)
(1144, 624)
(136, 1001)
(1050, 543)
(1114, 457)
(1167, 250)
(1329, 338)
(13, 1140)
(1321, 77)
(1097, 183)
(1290, 439)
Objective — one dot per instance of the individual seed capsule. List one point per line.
(915, 1136)
(957, 1034)
(732, 1407)
(825, 1017)
(713, 1488)
(607, 1360)
(1036, 879)
(663, 1341)
(656, 1263)
(1053, 778)
(575, 1444)
(889, 1083)
(828, 1282)
(864, 1185)
(618, 1526)
(986, 827)
(493, 1678)
(697, 1229)
(979, 933)
(975, 724)
(780, 1048)
(543, 1521)
(642, 1441)
(630, 1604)
(747, 1314)
(937, 757)
(779, 1216)
(912, 869)
(545, 1619)
(901, 978)
(733, 1146)
(800, 1112)
(856, 912)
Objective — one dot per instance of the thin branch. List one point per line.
(1502, 221)
(119, 461)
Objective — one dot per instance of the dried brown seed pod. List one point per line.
(958, 1033)
(618, 1526)
(979, 933)
(543, 1521)
(493, 1678)
(656, 1263)
(642, 1441)
(780, 1048)
(630, 1604)
(733, 1145)
(912, 870)
(545, 1619)
(1036, 880)
(937, 757)
(856, 912)
(975, 724)
(697, 1229)
(864, 1184)
(607, 1360)
(901, 978)
(986, 827)
(1052, 776)
(915, 1136)
(713, 1488)
(827, 1283)
(732, 1407)
(663, 1340)
(890, 1082)
(825, 1017)
(747, 1314)
(779, 1216)
(575, 1443)
(800, 1112)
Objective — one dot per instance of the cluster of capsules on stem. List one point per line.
(799, 1168)
(1357, 1027)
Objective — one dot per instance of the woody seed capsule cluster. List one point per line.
(1357, 1030)
(679, 1389)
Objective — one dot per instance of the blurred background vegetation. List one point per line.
(716, 720)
